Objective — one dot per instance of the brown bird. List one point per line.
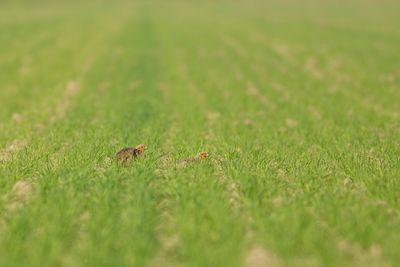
(199, 156)
(202, 155)
(127, 153)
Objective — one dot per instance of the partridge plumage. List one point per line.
(199, 156)
(128, 153)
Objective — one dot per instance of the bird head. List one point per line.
(140, 148)
(202, 155)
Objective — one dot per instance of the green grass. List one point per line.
(298, 105)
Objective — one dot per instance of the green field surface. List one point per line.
(296, 102)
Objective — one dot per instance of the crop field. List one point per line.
(297, 104)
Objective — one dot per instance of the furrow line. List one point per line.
(256, 255)
(16, 199)
(166, 235)
(371, 256)
(12, 148)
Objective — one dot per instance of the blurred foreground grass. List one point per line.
(297, 103)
